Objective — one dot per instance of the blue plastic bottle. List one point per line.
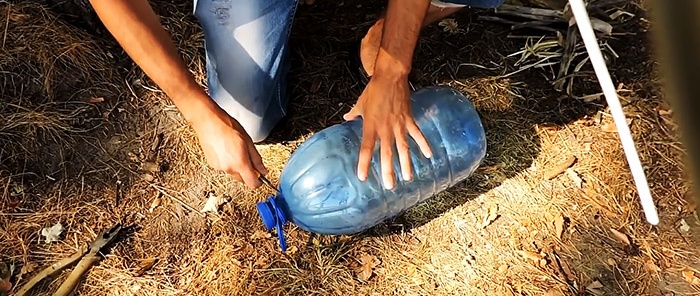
(319, 188)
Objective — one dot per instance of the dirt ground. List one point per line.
(87, 140)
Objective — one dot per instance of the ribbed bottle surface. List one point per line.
(321, 193)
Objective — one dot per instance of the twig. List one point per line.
(7, 25)
(475, 65)
(518, 25)
(525, 67)
(567, 56)
(530, 12)
(532, 24)
(156, 187)
(560, 168)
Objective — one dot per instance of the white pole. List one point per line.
(601, 70)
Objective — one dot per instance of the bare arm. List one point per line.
(224, 141)
(385, 103)
(137, 29)
(404, 19)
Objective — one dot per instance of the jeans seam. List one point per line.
(290, 23)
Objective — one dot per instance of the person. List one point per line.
(247, 59)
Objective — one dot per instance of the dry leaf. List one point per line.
(367, 265)
(690, 276)
(651, 267)
(530, 255)
(213, 203)
(574, 176)
(145, 265)
(611, 262)
(27, 268)
(292, 250)
(619, 13)
(155, 203)
(663, 112)
(610, 127)
(684, 226)
(150, 167)
(262, 262)
(591, 98)
(490, 216)
(560, 168)
(52, 233)
(595, 288)
(258, 234)
(236, 262)
(567, 270)
(449, 25)
(601, 26)
(559, 225)
(621, 237)
(96, 100)
(147, 177)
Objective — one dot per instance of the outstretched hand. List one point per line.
(385, 109)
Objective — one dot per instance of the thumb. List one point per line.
(352, 114)
(256, 160)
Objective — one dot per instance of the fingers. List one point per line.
(417, 136)
(366, 148)
(256, 159)
(354, 113)
(247, 171)
(387, 160)
(250, 176)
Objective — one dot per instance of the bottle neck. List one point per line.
(273, 217)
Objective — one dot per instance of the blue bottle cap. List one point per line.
(273, 217)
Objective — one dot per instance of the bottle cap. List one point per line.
(273, 217)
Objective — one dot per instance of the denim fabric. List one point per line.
(246, 44)
(247, 59)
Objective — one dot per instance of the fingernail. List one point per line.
(407, 177)
(361, 177)
(388, 184)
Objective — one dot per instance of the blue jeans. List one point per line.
(246, 44)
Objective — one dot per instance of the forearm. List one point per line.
(136, 27)
(402, 25)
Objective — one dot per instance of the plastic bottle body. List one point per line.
(320, 191)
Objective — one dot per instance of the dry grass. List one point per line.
(64, 160)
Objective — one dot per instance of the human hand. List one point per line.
(229, 148)
(385, 108)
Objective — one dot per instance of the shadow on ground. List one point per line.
(323, 89)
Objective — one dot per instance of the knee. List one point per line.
(258, 132)
(258, 114)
